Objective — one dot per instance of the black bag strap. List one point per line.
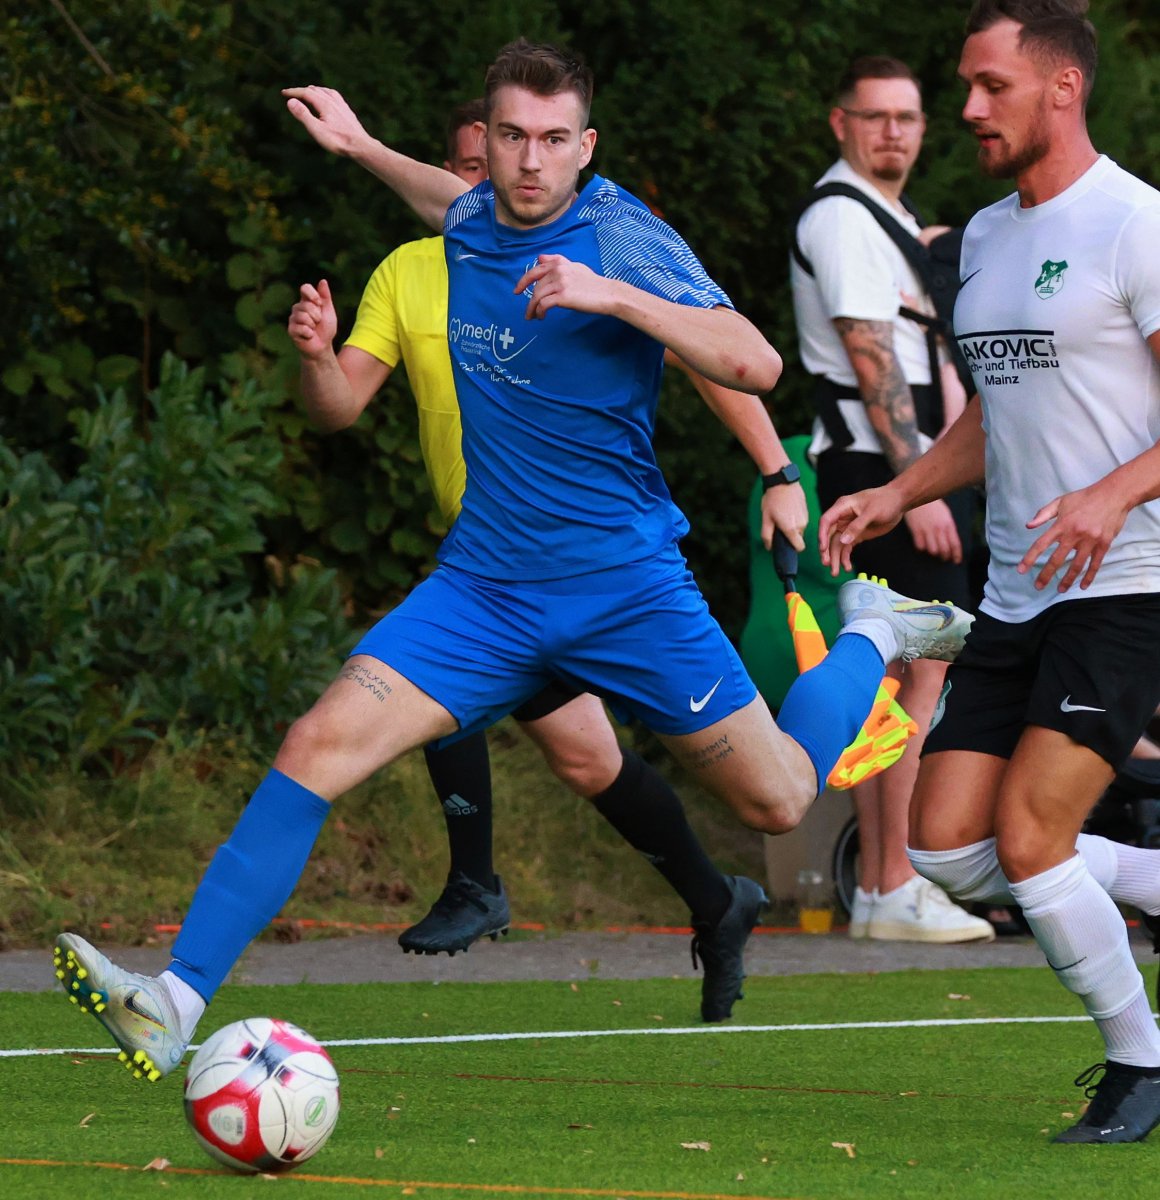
(912, 249)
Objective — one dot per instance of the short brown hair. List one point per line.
(872, 66)
(540, 68)
(1055, 32)
(467, 113)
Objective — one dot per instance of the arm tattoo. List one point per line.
(886, 394)
(366, 678)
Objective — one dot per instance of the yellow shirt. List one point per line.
(403, 314)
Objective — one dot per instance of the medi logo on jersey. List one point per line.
(489, 346)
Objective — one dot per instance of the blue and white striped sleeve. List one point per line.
(638, 248)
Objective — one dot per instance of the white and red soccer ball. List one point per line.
(261, 1095)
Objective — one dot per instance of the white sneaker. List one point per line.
(136, 1010)
(922, 629)
(860, 917)
(918, 911)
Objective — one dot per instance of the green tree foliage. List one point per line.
(134, 598)
(159, 199)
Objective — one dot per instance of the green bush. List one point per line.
(134, 602)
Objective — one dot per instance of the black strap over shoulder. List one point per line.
(936, 269)
(913, 250)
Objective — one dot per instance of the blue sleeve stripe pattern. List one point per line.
(638, 248)
(465, 207)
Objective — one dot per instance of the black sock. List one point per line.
(461, 774)
(647, 813)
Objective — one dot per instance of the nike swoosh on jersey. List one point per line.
(970, 277)
(697, 705)
(460, 256)
(1066, 706)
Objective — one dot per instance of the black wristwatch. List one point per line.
(788, 474)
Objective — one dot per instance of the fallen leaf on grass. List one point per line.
(847, 1146)
(86, 1119)
(739, 1177)
(158, 1164)
(655, 1017)
(957, 996)
(379, 1152)
(616, 1003)
(578, 1126)
(574, 986)
(696, 1145)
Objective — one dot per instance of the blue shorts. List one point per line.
(639, 635)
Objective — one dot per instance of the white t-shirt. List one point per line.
(858, 273)
(1055, 306)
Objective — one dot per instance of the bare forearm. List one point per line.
(327, 395)
(716, 342)
(885, 392)
(428, 190)
(955, 461)
(746, 418)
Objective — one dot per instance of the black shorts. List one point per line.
(546, 701)
(1089, 668)
(893, 556)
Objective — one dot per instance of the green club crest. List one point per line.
(1050, 279)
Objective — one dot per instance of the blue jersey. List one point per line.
(558, 413)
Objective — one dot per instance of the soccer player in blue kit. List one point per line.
(564, 561)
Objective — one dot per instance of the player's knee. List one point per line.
(774, 811)
(306, 740)
(1020, 855)
(585, 774)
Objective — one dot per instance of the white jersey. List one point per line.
(859, 273)
(1056, 303)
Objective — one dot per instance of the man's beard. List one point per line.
(1035, 150)
(890, 174)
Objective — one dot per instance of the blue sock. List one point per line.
(248, 880)
(824, 708)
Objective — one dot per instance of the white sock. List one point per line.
(968, 873)
(1080, 930)
(188, 1003)
(879, 633)
(1100, 855)
(1129, 1034)
(1127, 873)
(1137, 877)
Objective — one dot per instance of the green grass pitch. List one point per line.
(962, 1106)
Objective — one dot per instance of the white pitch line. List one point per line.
(565, 1034)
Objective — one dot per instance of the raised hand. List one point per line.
(313, 322)
(328, 118)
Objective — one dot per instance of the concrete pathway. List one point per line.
(374, 958)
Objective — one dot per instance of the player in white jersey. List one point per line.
(1059, 316)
